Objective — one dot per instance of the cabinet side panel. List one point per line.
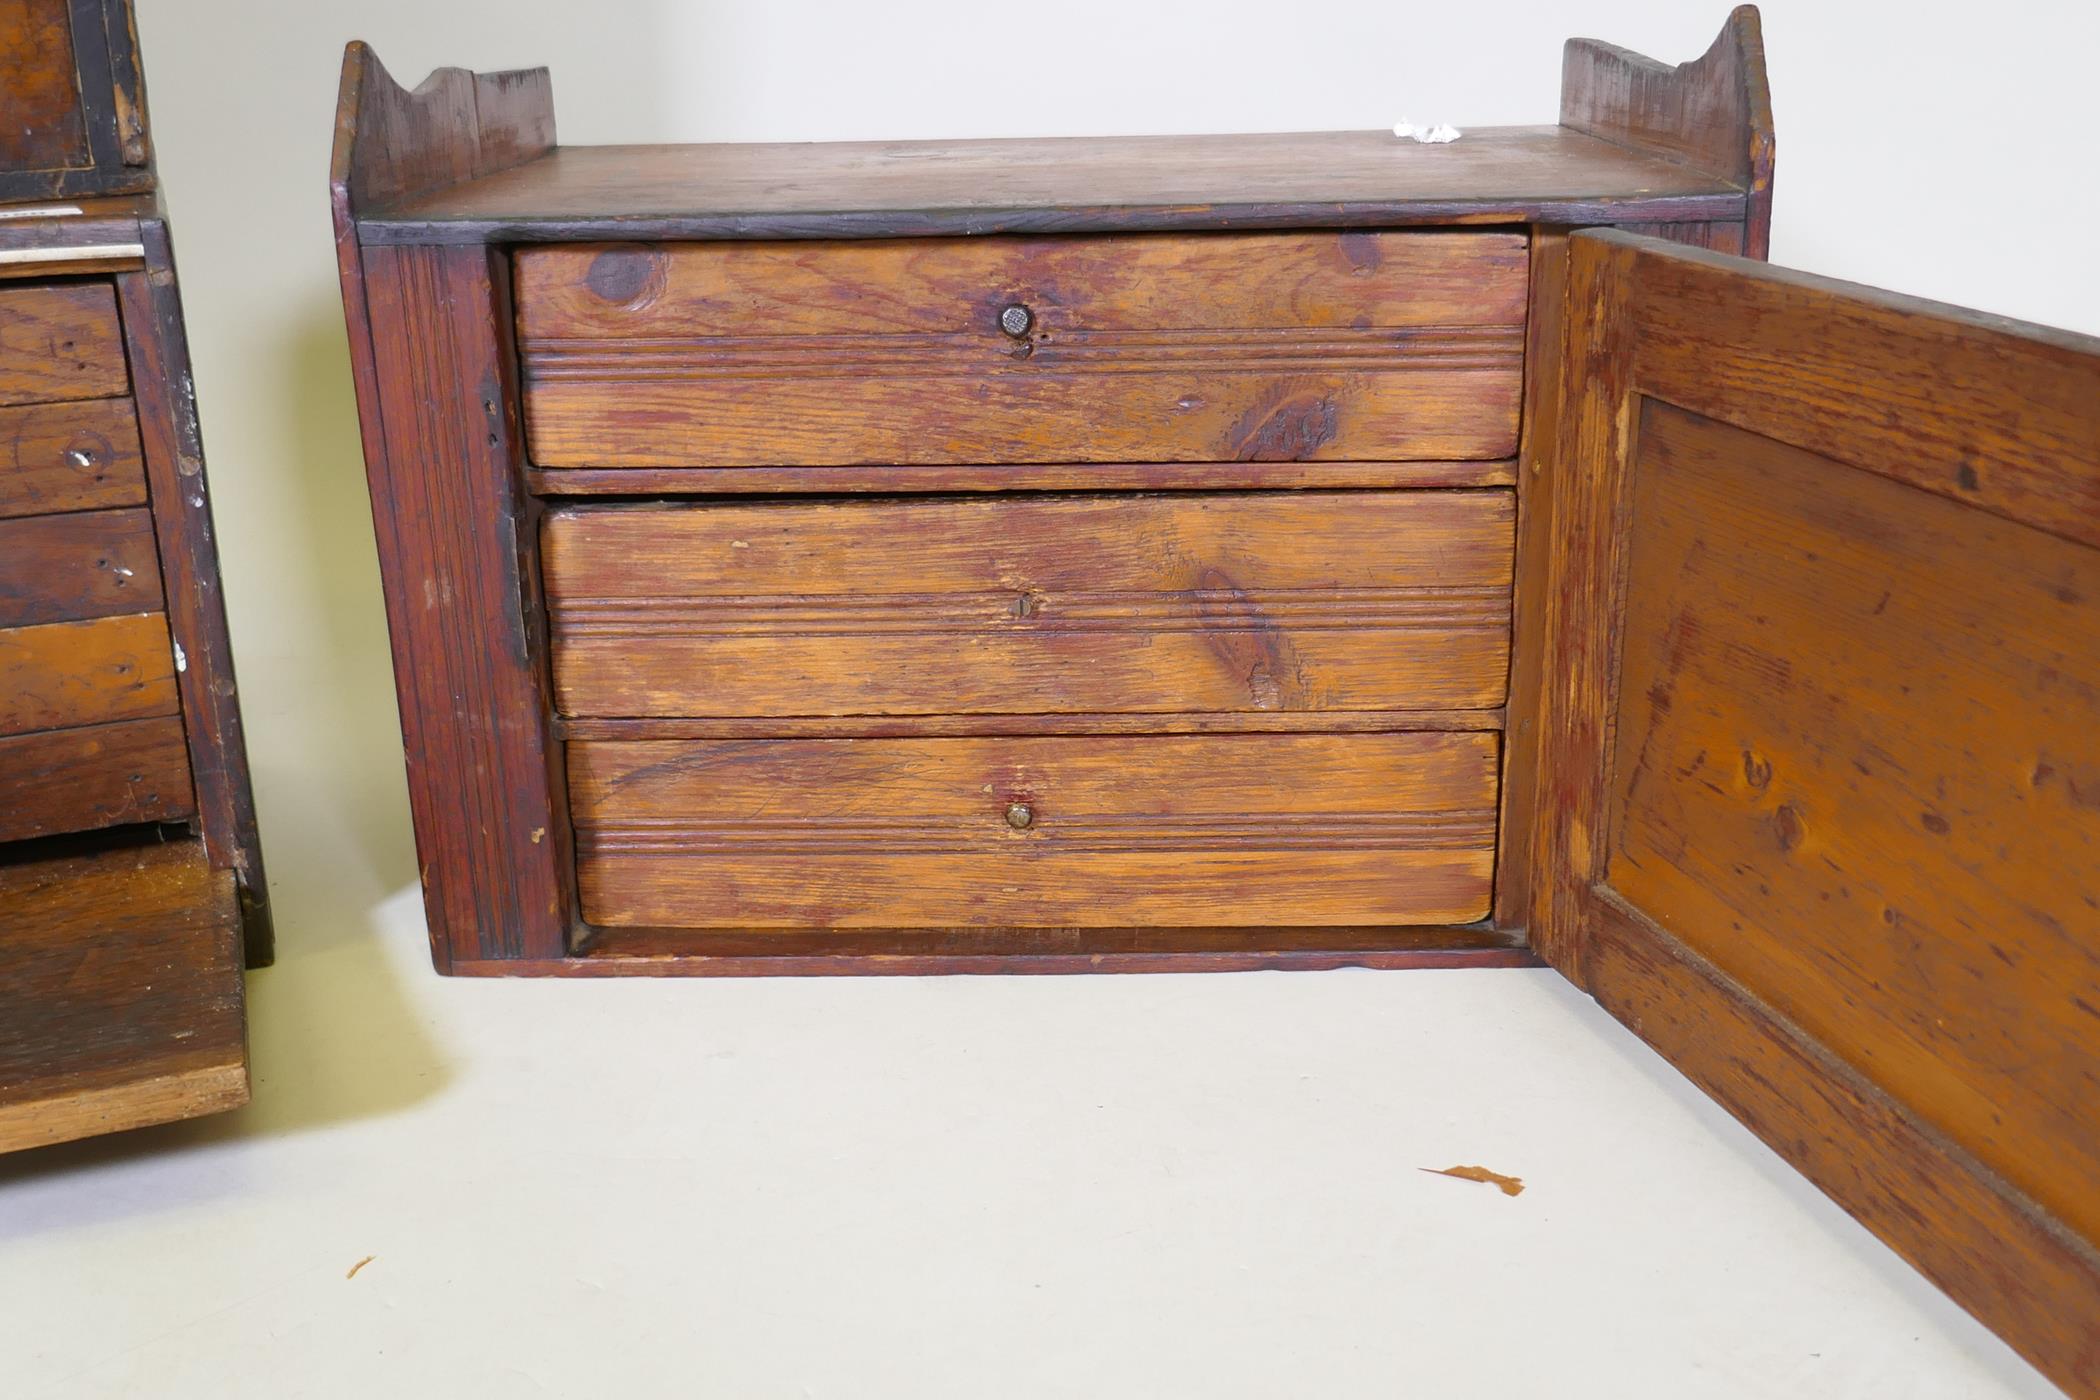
(455, 529)
(172, 444)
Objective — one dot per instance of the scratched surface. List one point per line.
(1212, 830)
(122, 995)
(1296, 602)
(1222, 348)
(61, 568)
(1825, 726)
(60, 341)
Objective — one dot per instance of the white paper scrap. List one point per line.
(1437, 135)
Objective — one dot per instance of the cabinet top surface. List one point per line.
(1492, 175)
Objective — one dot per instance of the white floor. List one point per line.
(1098, 1187)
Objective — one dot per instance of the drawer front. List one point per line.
(96, 672)
(60, 568)
(66, 780)
(70, 456)
(1219, 830)
(1312, 601)
(60, 341)
(1159, 348)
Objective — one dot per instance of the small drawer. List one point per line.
(1330, 347)
(1284, 601)
(57, 781)
(100, 671)
(1211, 831)
(70, 456)
(62, 568)
(60, 341)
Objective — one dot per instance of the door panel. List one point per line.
(1846, 759)
(1822, 746)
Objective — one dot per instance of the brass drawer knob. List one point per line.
(1015, 320)
(1020, 816)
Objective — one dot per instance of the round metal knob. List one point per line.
(1020, 816)
(1015, 320)
(80, 457)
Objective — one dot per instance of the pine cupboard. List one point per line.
(1261, 552)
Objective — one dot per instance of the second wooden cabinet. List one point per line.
(1269, 551)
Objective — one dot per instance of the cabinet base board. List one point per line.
(951, 952)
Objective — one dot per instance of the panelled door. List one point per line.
(1820, 775)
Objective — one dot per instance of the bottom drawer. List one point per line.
(101, 775)
(1212, 830)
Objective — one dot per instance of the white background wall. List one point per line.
(1938, 148)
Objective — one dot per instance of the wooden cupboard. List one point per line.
(131, 880)
(1268, 551)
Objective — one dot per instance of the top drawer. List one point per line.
(60, 341)
(1158, 348)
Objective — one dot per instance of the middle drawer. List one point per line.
(1312, 601)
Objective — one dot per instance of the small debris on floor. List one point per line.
(1511, 1185)
(359, 1265)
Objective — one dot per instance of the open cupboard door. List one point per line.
(1820, 765)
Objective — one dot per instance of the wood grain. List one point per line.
(719, 953)
(1581, 625)
(62, 568)
(2018, 1271)
(1293, 281)
(1532, 583)
(122, 996)
(120, 968)
(974, 941)
(1304, 829)
(430, 336)
(1791, 371)
(101, 222)
(1817, 729)
(68, 780)
(952, 952)
(1712, 114)
(1016, 476)
(804, 320)
(1819, 726)
(172, 444)
(70, 456)
(1303, 601)
(1509, 175)
(75, 673)
(1723, 237)
(1277, 347)
(979, 725)
(44, 127)
(60, 340)
(72, 101)
(391, 143)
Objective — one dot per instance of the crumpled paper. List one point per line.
(1437, 135)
